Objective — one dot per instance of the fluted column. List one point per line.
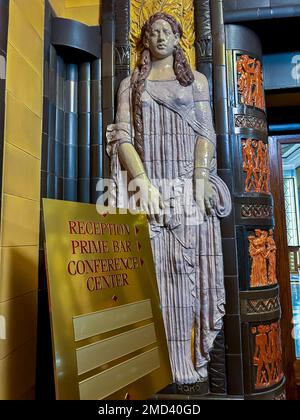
(97, 150)
(84, 132)
(71, 132)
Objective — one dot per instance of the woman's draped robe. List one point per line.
(188, 251)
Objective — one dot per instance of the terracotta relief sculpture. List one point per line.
(262, 250)
(257, 252)
(271, 257)
(261, 357)
(250, 82)
(256, 166)
(163, 136)
(267, 355)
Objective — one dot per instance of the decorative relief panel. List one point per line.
(267, 355)
(262, 306)
(257, 211)
(204, 47)
(256, 166)
(262, 250)
(250, 82)
(281, 397)
(121, 42)
(249, 121)
(182, 10)
(203, 29)
(122, 55)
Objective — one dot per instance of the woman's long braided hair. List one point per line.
(182, 71)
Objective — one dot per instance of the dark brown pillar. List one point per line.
(233, 358)
(108, 71)
(253, 206)
(203, 43)
(204, 64)
(122, 46)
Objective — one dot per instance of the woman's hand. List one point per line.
(151, 201)
(204, 193)
(210, 198)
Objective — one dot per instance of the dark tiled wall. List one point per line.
(122, 47)
(115, 58)
(108, 70)
(72, 125)
(44, 360)
(203, 42)
(4, 16)
(96, 138)
(233, 350)
(204, 64)
(72, 136)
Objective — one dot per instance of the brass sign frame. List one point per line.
(107, 329)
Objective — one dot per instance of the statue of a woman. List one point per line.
(164, 132)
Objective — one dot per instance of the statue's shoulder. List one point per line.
(125, 85)
(201, 84)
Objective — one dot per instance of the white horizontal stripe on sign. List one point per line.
(97, 354)
(100, 322)
(112, 380)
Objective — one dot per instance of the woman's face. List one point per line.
(161, 40)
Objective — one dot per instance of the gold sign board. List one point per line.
(107, 328)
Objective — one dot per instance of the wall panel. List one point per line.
(23, 81)
(90, 15)
(17, 373)
(22, 125)
(85, 11)
(21, 322)
(17, 271)
(20, 197)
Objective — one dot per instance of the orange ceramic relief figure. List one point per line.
(249, 68)
(263, 160)
(247, 162)
(260, 165)
(246, 74)
(244, 81)
(250, 82)
(279, 351)
(256, 166)
(266, 184)
(264, 238)
(255, 274)
(271, 257)
(258, 94)
(275, 353)
(248, 165)
(268, 355)
(257, 251)
(261, 358)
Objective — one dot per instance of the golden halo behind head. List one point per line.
(181, 10)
